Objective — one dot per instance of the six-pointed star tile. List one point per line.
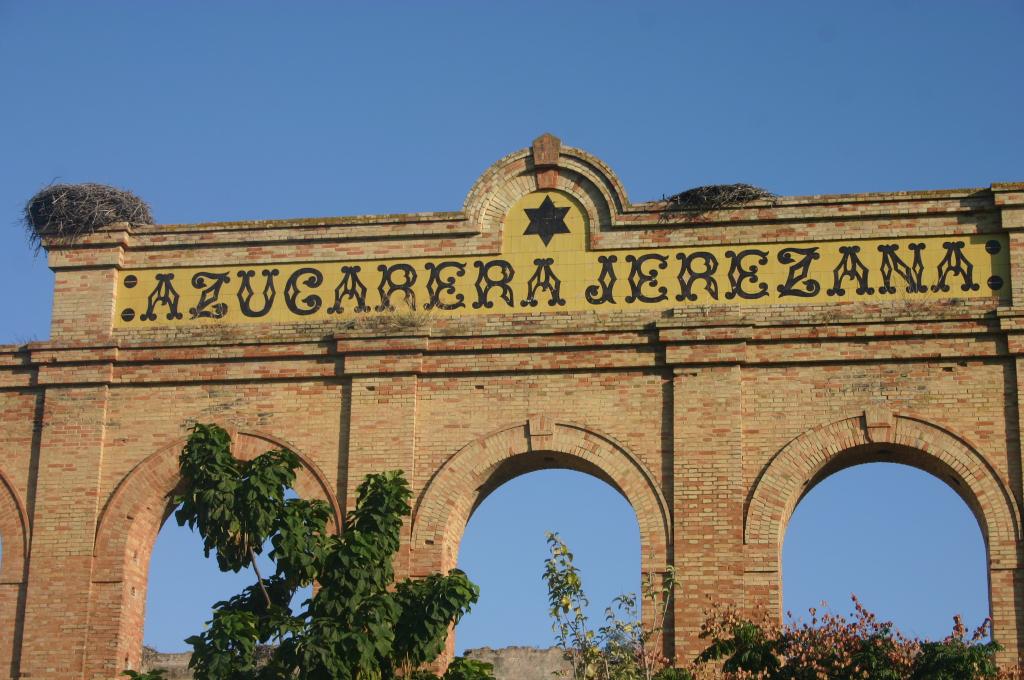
(546, 221)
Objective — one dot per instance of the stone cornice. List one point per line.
(669, 343)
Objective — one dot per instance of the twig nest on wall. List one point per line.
(68, 211)
(716, 197)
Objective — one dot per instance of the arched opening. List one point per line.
(899, 538)
(503, 550)
(127, 532)
(444, 507)
(881, 436)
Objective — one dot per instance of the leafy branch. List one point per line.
(359, 624)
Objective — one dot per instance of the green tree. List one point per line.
(567, 602)
(958, 656)
(622, 649)
(359, 624)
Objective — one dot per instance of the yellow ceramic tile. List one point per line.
(544, 259)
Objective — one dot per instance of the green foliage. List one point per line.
(624, 648)
(945, 661)
(459, 669)
(670, 673)
(566, 603)
(469, 669)
(157, 674)
(353, 617)
(235, 505)
(957, 656)
(428, 607)
(359, 625)
(743, 646)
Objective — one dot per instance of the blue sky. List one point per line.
(231, 110)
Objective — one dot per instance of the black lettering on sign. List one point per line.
(246, 293)
(352, 288)
(388, 286)
(739, 272)
(543, 279)
(438, 283)
(955, 263)
(485, 282)
(209, 305)
(162, 294)
(309, 304)
(638, 278)
(850, 267)
(799, 261)
(893, 263)
(601, 292)
(689, 276)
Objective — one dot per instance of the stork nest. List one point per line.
(66, 212)
(715, 197)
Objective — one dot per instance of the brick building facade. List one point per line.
(712, 366)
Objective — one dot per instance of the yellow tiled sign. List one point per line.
(545, 265)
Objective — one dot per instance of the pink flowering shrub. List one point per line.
(831, 647)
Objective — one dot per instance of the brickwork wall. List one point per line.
(456, 412)
(712, 421)
(708, 493)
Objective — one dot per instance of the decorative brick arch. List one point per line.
(573, 171)
(127, 531)
(15, 535)
(881, 436)
(480, 467)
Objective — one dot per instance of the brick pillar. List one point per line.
(382, 416)
(383, 434)
(1006, 585)
(708, 496)
(64, 525)
(56, 620)
(85, 286)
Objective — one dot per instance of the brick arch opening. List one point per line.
(464, 481)
(884, 437)
(14, 548)
(444, 507)
(127, 531)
